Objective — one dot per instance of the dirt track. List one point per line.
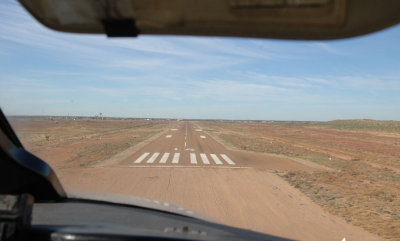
(231, 187)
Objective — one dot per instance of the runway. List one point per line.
(187, 167)
(185, 145)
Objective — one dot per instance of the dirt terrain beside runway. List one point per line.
(364, 189)
(178, 162)
(65, 143)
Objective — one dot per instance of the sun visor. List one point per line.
(287, 19)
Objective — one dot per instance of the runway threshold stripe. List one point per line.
(216, 159)
(153, 157)
(182, 166)
(176, 158)
(227, 159)
(164, 158)
(193, 159)
(142, 157)
(204, 158)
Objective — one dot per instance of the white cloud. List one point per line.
(142, 63)
(229, 48)
(368, 82)
(328, 48)
(282, 80)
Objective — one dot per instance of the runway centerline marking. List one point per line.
(153, 157)
(168, 136)
(199, 130)
(216, 159)
(227, 159)
(204, 158)
(142, 157)
(164, 158)
(193, 159)
(174, 129)
(176, 158)
(203, 137)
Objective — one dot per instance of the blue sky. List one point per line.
(44, 72)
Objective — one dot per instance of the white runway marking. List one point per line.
(175, 149)
(203, 137)
(193, 159)
(164, 158)
(227, 159)
(168, 136)
(153, 157)
(192, 166)
(216, 159)
(185, 143)
(142, 157)
(199, 130)
(204, 158)
(174, 129)
(176, 158)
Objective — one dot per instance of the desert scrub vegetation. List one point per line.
(364, 189)
(364, 196)
(362, 124)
